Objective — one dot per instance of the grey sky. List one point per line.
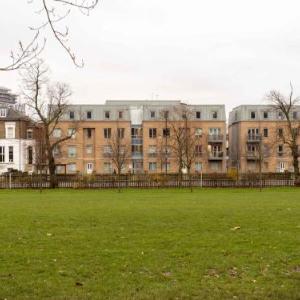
(198, 51)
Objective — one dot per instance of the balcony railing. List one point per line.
(152, 154)
(253, 138)
(215, 155)
(215, 138)
(252, 155)
(107, 154)
(137, 155)
(136, 140)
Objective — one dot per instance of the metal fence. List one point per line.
(11, 181)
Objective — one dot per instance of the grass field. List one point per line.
(150, 244)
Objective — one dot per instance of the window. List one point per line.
(152, 114)
(11, 154)
(29, 134)
(120, 114)
(107, 115)
(280, 150)
(166, 114)
(266, 132)
(198, 114)
(152, 150)
(107, 133)
(295, 115)
(71, 115)
(89, 149)
(280, 115)
(72, 133)
(152, 166)
(198, 166)
(280, 132)
(152, 132)
(3, 112)
(56, 150)
(89, 167)
(71, 151)
(166, 132)
(281, 167)
(88, 133)
(266, 115)
(71, 168)
(198, 150)
(252, 114)
(121, 133)
(2, 154)
(88, 115)
(166, 166)
(30, 155)
(107, 167)
(56, 133)
(215, 115)
(107, 150)
(198, 132)
(10, 130)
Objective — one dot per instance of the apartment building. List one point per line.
(255, 139)
(146, 130)
(17, 136)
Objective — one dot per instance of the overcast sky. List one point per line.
(208, 52)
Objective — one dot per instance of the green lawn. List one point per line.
(150, 244)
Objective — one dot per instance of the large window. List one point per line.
(152, 166)
(2, 154)
(198, 114)
(29, 134)
(107, 115)
(3, 112)
(166, 132)
(71, 151)
(10, 131)
(89, 115)
(107, 133)
(107, 167)
(152, 133)
(71, 168)
(30, 155)
(121, 133)
(11, 154)
(89, 149)
(57, 133)
(72, 132)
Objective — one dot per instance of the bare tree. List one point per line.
(286, 106)
(184, 140)
(120, 151)
(54, 13)
(47, 108)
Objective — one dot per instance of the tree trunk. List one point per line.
(51, 164)
(296, 168)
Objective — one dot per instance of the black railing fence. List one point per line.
(14, 181)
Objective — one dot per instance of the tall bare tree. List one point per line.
(47, 108)
(120, 151)
(184, 140)
(286, 106)
(54, 13)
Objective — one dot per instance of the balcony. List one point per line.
(136, 140)
(152, 154)
(253, 138)
(252, 155)
(215, 155)
(215, 138)
(137, 155)
(107, 154)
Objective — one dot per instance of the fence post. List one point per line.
(10, 181)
